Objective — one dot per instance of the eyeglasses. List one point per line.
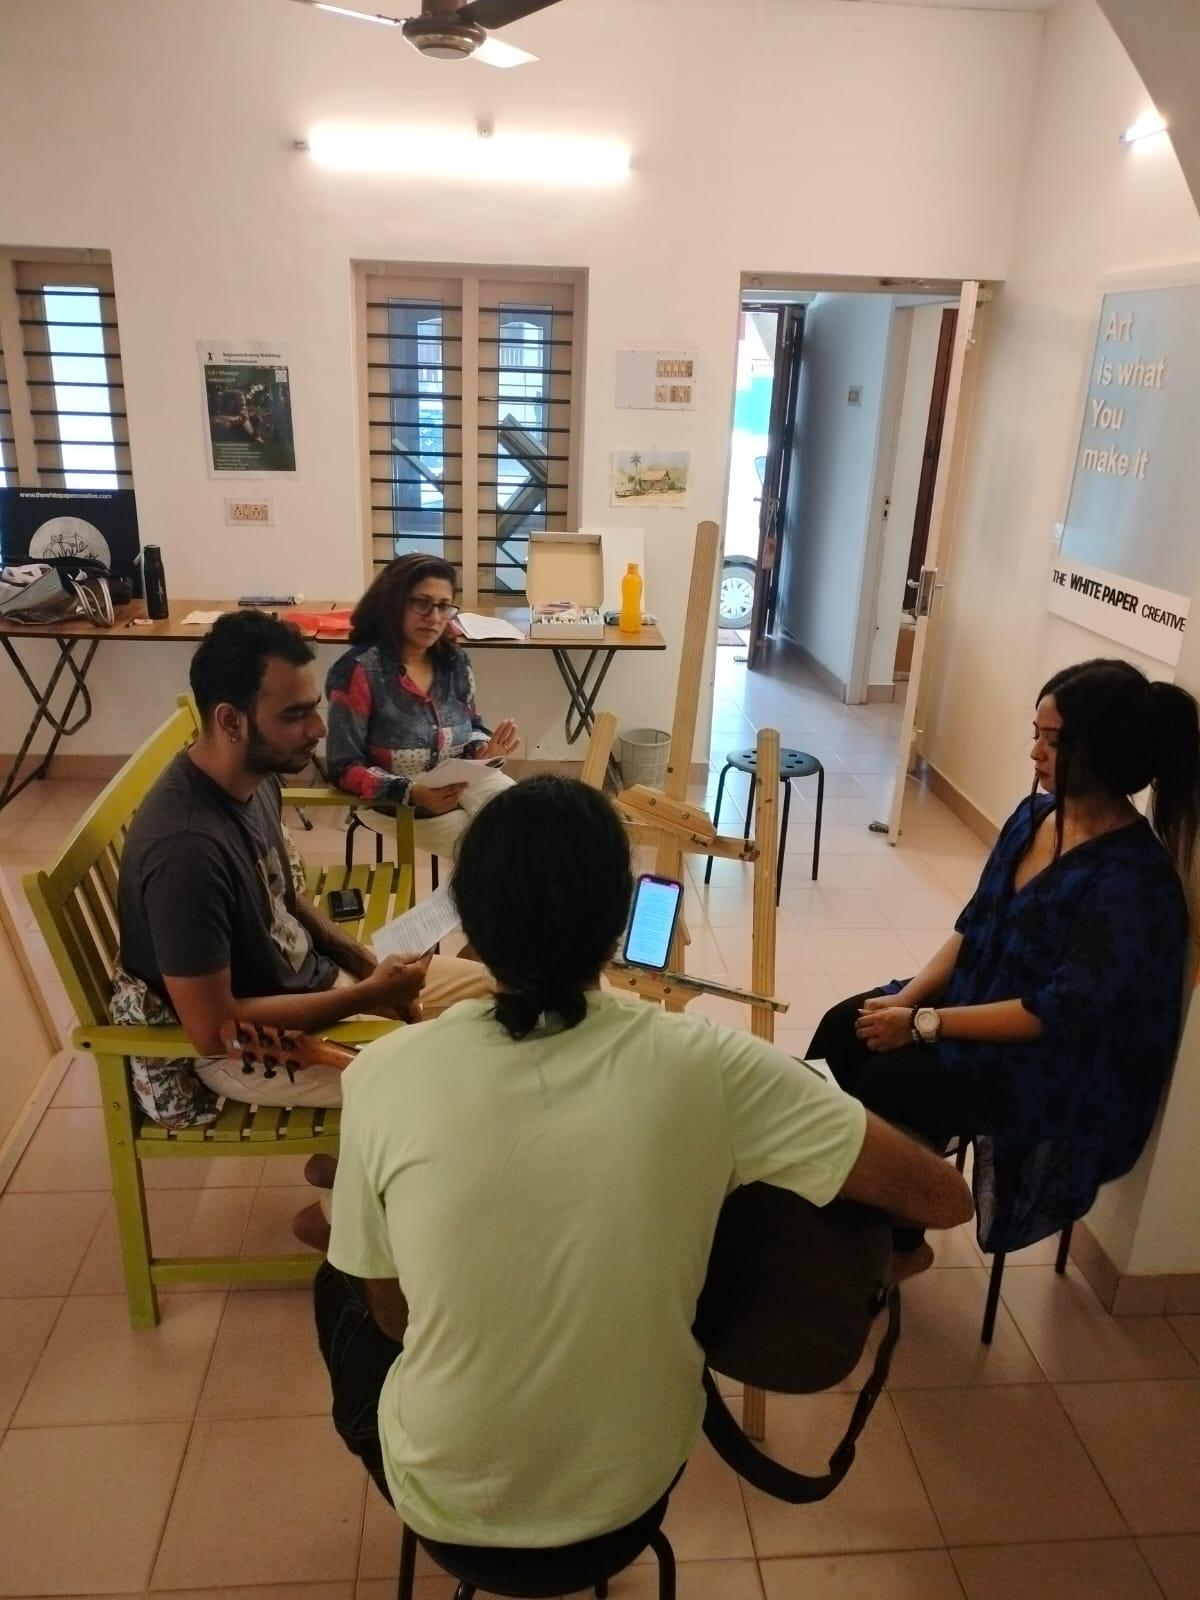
(425, 607)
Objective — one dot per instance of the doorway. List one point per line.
(857, 382)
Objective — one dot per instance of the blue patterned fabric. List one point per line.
(1094, 946)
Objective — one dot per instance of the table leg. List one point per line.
(583, 688)
(581, 712)
(61, 723)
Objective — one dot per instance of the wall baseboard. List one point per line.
(1133, 1294)
(77, 767)
(697, 773)
(827, 679)
(965, 810)
(23, 1129)
(101, 768)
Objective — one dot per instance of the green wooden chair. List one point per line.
(75, 902)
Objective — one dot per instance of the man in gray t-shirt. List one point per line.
(192, 844)
(211, 923)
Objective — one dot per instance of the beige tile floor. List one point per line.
(197, 1459)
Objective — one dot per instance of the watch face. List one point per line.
(927, 1025)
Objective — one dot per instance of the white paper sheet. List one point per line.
(476, 627)
(201, 619)
(457, 770)
(420, 929)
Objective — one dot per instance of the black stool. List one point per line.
(540, 1574)
(792, 764)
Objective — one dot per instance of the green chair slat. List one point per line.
(296, 1267)
(264, 1124)
(300, 1123)
(101, 920)
(106, 865)
(405, 888)
(231, 1122)
(380, 897)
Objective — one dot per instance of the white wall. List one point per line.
(924, 331)
(170, 144)
(832, 490)
(1090, 207)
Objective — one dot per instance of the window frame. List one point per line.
(462, 287)
(33, 436)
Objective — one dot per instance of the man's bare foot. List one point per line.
(908, 1263)
(319, 1171)
(311, 1228)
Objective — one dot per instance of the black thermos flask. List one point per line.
(154, 582)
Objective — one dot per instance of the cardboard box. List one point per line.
(564, 579)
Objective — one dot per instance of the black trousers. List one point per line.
(909, 1087)
(359, 1356)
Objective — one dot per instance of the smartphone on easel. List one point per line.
(656, 903)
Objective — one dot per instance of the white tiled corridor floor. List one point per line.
(1061, 1464)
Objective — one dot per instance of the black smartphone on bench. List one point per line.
(345, 905)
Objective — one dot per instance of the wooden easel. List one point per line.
(678, 827)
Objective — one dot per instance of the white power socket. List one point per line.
(240, 512)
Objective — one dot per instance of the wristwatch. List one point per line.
(926, 1025)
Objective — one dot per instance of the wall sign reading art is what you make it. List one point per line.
(1127, 555)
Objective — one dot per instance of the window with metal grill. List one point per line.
(62, 403)
(7, 459)
(470, 386)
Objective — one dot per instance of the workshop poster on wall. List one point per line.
(247, 409)
(1127, 555)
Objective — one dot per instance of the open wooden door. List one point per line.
(785, 389)
(928, 584)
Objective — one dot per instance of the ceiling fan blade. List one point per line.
(499, 13)
(349, 11)
(495, 53)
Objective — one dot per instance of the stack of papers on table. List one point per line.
(474, 626)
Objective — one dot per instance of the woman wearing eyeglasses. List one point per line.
(402, 700)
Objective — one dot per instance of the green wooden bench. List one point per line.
(75, 902)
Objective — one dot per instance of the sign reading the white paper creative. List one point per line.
(1127, 555)
(248, 409)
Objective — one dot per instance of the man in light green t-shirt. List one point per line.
(530, 1186)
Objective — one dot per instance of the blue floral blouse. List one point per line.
(1094, 946)
(384, 732)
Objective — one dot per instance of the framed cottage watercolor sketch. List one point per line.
(650, 477)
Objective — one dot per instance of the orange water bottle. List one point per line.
(631, 600)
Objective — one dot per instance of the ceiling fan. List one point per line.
(449, 31)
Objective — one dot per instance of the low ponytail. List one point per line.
(1175, 808)
(519, 1011)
